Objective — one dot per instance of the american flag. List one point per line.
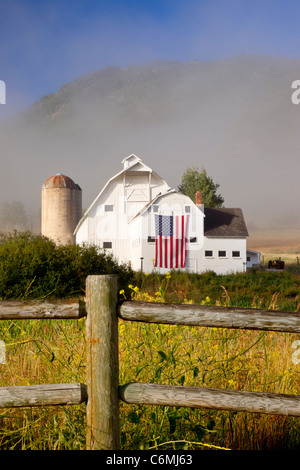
(170, 240)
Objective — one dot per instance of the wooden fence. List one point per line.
(102, 391)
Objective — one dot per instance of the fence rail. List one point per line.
(102, 391)
(35, 309)
(43, 395)
(211, 316)
(213, 398)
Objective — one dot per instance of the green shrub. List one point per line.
(32, 266)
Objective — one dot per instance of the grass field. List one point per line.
(284, 244)
(289, 255)
(54, 351)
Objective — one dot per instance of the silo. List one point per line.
(61, 208)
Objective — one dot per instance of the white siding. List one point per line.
(254, 258)
(228, 263)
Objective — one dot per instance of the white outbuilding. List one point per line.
(142, 221)
(253, 259)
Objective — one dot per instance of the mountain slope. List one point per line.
(234, 117)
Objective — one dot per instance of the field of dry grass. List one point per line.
(272, 245)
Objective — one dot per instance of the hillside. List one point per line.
(234, 117)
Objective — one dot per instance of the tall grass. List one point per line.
(53, 351)
(43, 351)
(210, 357)
(207, 358)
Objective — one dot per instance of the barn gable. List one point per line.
(139, 184)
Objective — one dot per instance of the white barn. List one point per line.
(144, 222)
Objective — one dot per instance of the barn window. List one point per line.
(222, 254)
(155, 207)
(187, 209)
(108, 208)
(107, 244)
(208, 253)
(236, 254)
(193, 240)
(151, 239)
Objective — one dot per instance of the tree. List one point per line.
(13, 216)
(194, 180)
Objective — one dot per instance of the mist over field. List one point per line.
(233, 117)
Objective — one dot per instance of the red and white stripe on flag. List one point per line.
(171, 240)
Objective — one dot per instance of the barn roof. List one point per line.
(130, 163)
(222, 222)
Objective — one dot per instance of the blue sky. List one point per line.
(46, 43)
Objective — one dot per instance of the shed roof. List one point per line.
(223, 222)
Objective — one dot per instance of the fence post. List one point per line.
(102, 363)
